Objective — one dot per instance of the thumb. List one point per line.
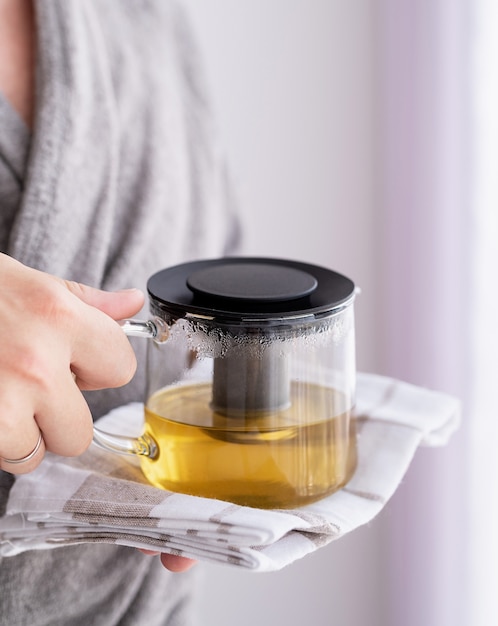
(116, 304)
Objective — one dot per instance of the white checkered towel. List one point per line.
(103, 498)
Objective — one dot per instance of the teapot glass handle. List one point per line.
(157, 330)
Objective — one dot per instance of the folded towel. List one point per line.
(101, 497)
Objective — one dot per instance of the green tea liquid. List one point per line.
(279, 459)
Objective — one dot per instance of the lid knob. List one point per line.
(252, 282)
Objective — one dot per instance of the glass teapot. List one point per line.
(261, 413)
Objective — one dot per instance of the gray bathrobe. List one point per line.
(120, 177)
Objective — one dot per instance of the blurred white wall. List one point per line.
(293, 92)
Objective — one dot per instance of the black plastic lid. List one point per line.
(245, 288)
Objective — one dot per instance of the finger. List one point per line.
(64, 419)
(28, 462)
(117, 304)
(170, 561)
(102, 355)
(61, 415)
(19, 435)
(176, 564)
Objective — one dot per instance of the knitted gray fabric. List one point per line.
(120, 177)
